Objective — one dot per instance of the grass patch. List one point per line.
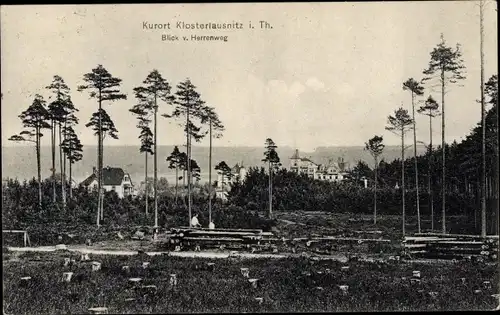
(286, 285)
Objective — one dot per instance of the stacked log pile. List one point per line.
(186, 238)
(450, 246)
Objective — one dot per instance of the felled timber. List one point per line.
(183, 228)
(345, 239)
(494, 237)
(450, 246)
(226, 233)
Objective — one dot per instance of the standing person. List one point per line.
(194, 221)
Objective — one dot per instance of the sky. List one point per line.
(325, 74)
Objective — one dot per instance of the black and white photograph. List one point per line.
(298, 157)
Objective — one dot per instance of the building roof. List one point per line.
(307, 160)
(296, 156)
(236, 168)
(111, 176)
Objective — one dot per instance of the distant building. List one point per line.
(114, 179)
(238, 173)
(302, 165)
(332, 172)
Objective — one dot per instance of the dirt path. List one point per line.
(204, 254)
(217, 255)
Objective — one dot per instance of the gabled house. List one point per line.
(113, 179)
(332, 172)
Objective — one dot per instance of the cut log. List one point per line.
(494, 237)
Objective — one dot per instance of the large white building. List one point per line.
(333, 171)
(303, 165)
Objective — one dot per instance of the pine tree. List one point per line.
(416, 90)
(273, 160)
(174, 160)
(146, 138)
(225, 172)
(155, 89)
(61, 110)
(215, 131)
(34, 119)
(375, 147)
(189, 105)
(446, 66)
(399, 124)
(103, 87)
(430, 109)
(73, 149)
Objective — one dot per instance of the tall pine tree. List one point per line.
(103, 87)
(155, 89)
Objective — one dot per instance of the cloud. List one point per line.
(315, 84)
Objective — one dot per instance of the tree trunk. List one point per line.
(99, 169)
(155, 160)
(176, 182)
(270, 192)
(61, 162)
(102, 175)
(64, 182)
(483, 124)
(39, 168)
(188, 149)
(146, 190)
(210, 177)
(375, 192)
(431, 161)
(403, 175)
(443, 147)
(70, 179)
(415, 157)
(53, 147)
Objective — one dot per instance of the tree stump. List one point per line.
(96, 266)
(98, 310)
(211, 266)
(344, 289)
(245, 272)
(84, 257)
(67, 276)
(173, 280)
(67, 261)
(253, 282)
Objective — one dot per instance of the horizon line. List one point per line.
(206, 146)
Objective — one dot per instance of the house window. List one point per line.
(113, 188)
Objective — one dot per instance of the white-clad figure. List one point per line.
(211, 226)
(195, 222)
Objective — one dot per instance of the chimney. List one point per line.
(94, 170)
